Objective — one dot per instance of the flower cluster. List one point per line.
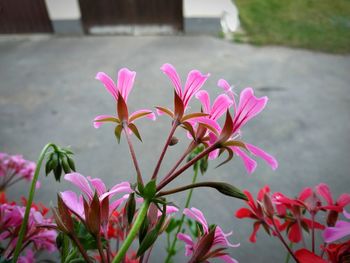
(278, 213)
(211, 243)
(14, 168)
(39, 235)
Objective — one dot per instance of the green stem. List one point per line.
(188, 200)
(133, 232)
(288, 254)
(22, 230)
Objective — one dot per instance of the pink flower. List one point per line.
(248, 107)
(194, 82)
(120, 93)
(37, 237)
(340, 230)
(210, 244)
(13, 168)
(75, 202)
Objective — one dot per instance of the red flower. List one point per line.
(305, 256)
(256, 212)
(338, 252)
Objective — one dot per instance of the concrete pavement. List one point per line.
(48, 93)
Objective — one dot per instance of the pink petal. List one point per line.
(185, 238)
(73, 202)
(98, 185)
(81, 182)
(99, 120)
(189, 244)
(170, 209)
(228, 259)
(115, 204)
(170, 71)
(204, 98)
(324, 191)
(213, 154)
(269, 159)
(340, 230)
(249, 106)
(220, 106)
(216, 127)
(197, 215)
(123, 187)
(194, 82)
(249, 163)
(221, 238)
(150, 114)
(126, 80)
(108, 83)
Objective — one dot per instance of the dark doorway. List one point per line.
(131, 12)
(24, 16)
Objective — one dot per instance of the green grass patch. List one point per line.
(314, 24)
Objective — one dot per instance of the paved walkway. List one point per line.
(48, 93)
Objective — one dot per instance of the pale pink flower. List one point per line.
(220, 240)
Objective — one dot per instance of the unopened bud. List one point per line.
(173, 141)
(268, 206)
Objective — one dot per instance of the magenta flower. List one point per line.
(210, 244)
(120, 93)
(248, 107)
(11, 216)
(13, 168)
(340, 230)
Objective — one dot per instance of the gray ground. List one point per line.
(48, 93)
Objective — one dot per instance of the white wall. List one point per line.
(208, 8)
(63, 9)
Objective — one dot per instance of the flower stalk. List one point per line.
(23, 228)
(133, 232)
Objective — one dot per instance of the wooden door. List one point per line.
(24, 16)
(131, 12)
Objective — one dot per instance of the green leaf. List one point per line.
(131, 207)
(118, 131)
(152, 236)
(150, 190)
(134, 129)
(71, 163)
(65, 165)
(173, 224)
(143, 230)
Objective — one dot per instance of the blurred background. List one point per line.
(295, 52)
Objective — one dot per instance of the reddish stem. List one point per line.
(190, 148)
(161, 157)
(283, 241)
(133, 156)
(186, 166)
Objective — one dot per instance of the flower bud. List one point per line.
(173, 141)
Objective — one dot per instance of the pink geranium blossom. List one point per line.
(14, 168)
(248, 107)
(194, 82)
(340, 230)
(218, 241)
(37, 237)
(120, 92)
(89, 186)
